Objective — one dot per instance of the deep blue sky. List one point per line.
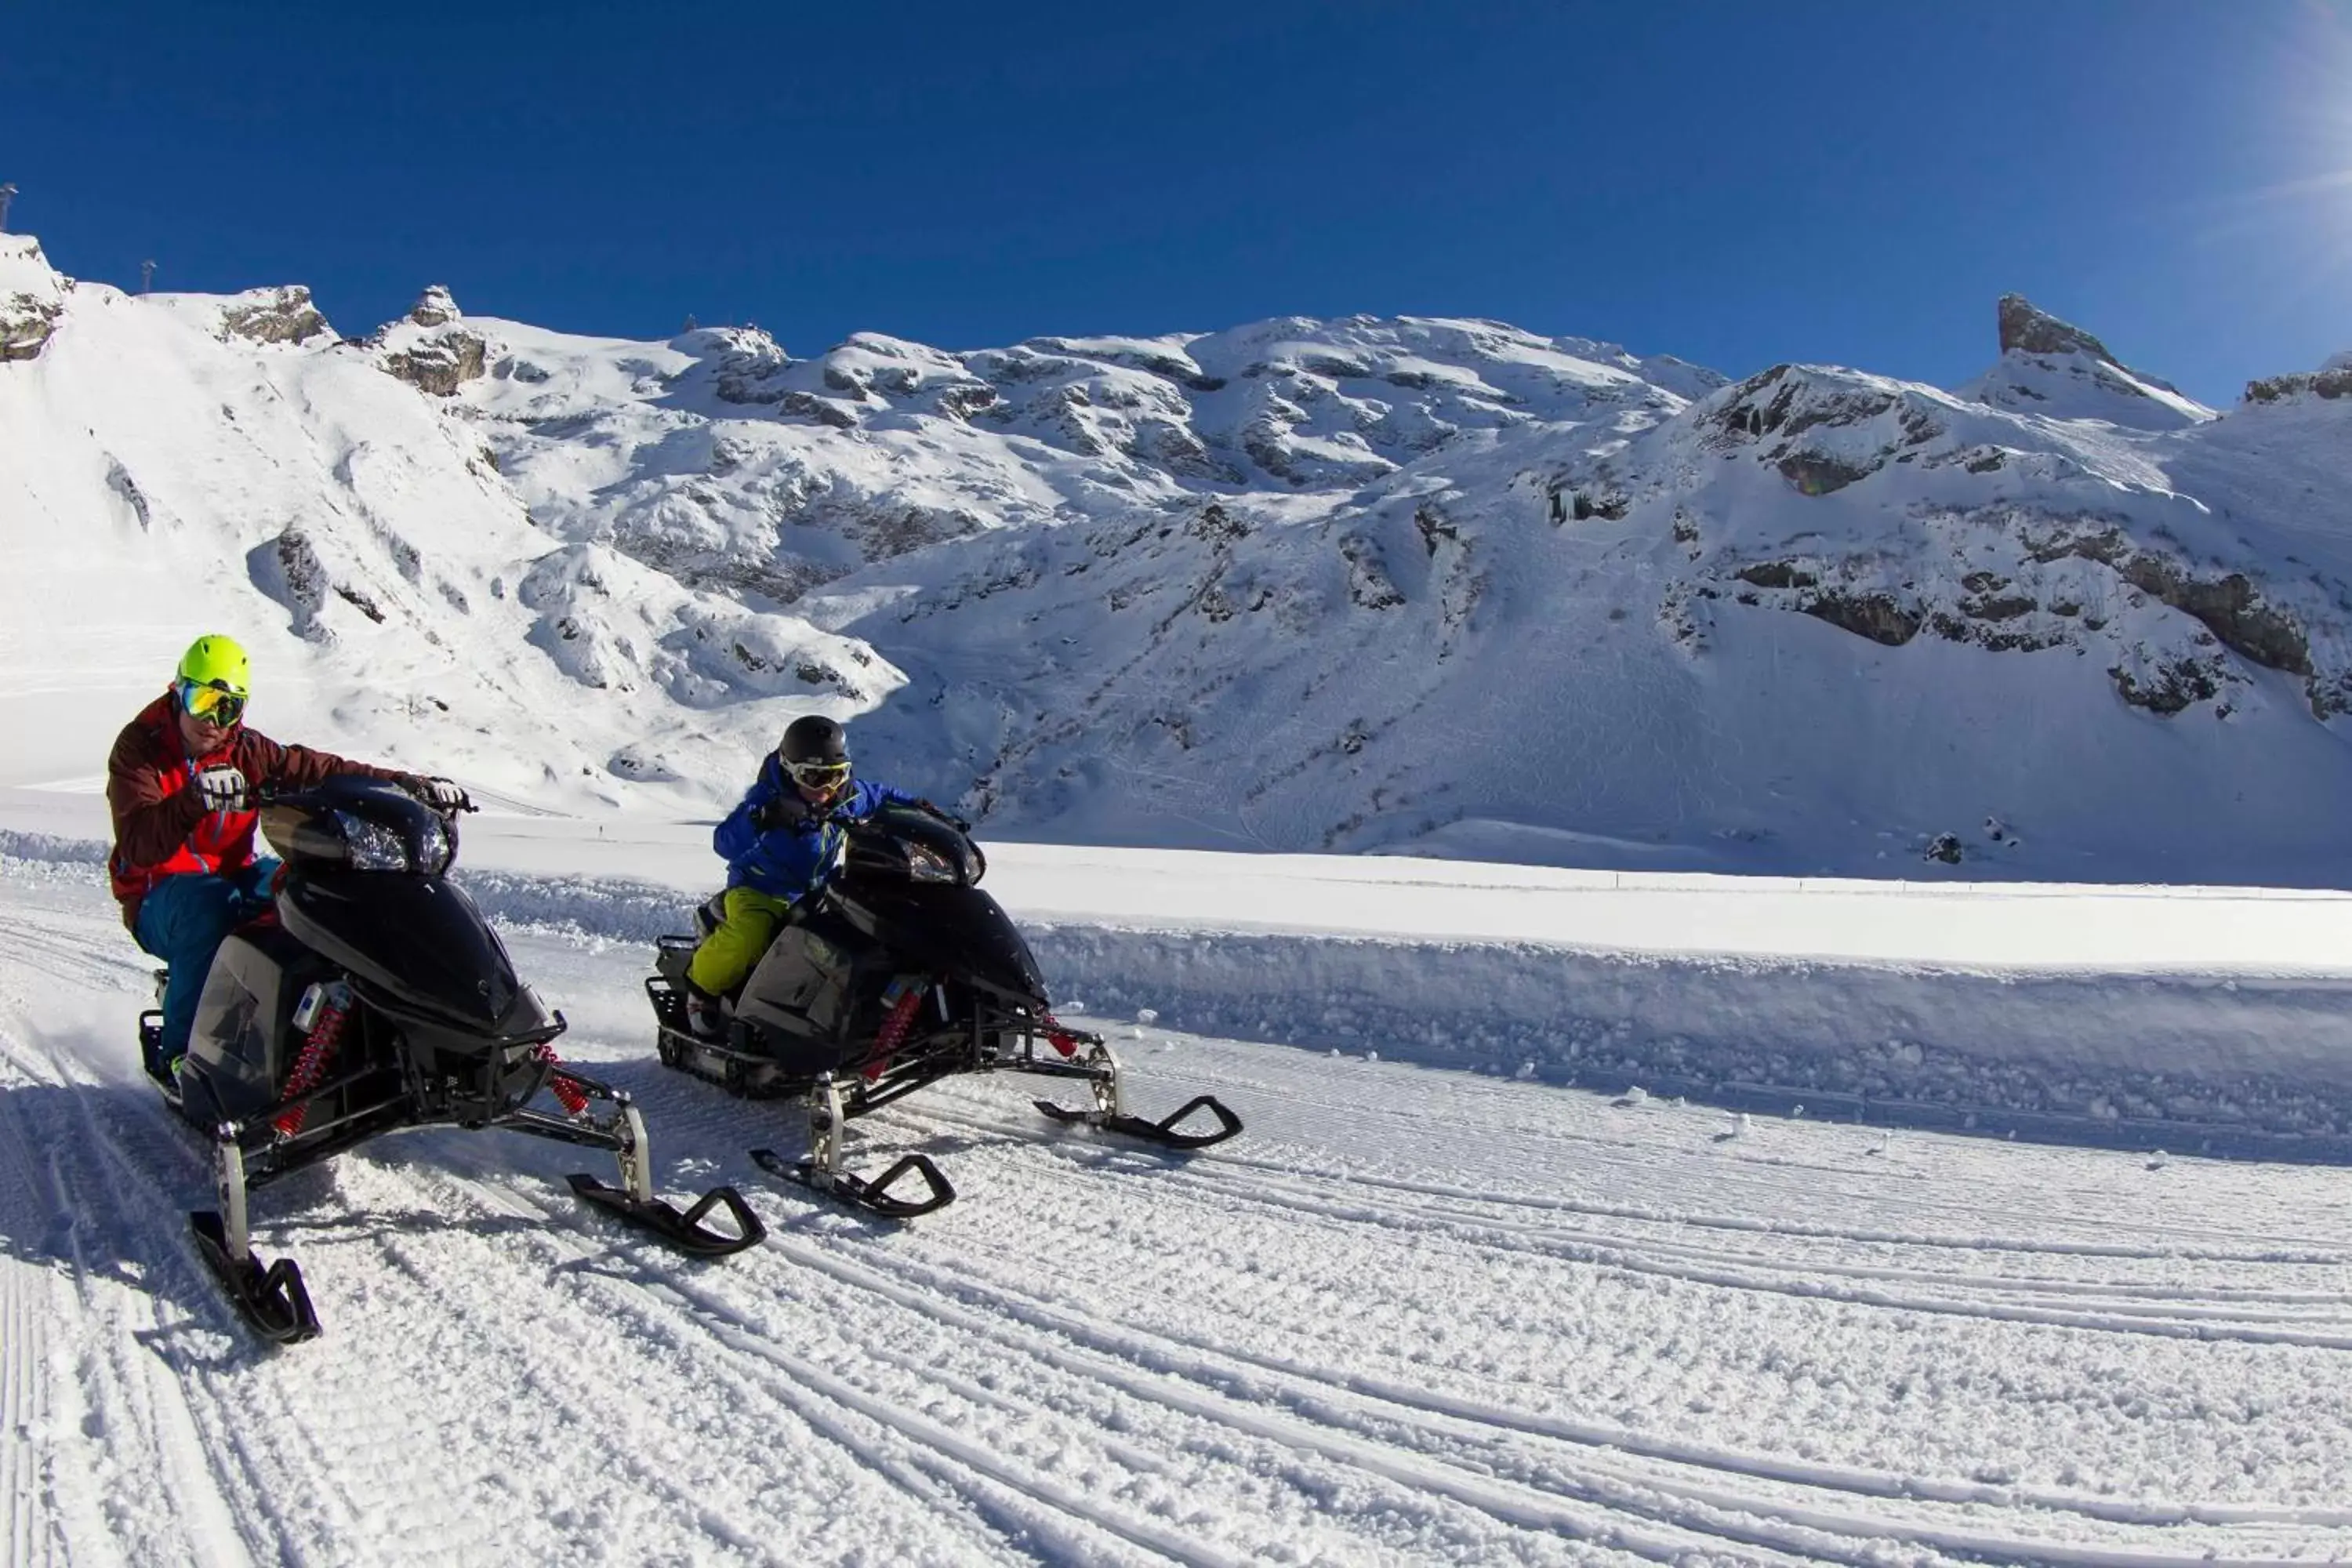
(1734, 183)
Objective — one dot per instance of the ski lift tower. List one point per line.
(5, 192)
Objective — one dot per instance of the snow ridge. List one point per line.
(1432, 584)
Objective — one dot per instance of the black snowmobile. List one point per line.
(374, 997)
(900, 972)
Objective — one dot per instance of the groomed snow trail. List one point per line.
(1413, 1316)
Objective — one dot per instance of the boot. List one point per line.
(704, 1021)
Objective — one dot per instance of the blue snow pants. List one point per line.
(183, 921)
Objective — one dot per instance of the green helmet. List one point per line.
(217, 661)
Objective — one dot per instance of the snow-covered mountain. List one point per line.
(1355, 584)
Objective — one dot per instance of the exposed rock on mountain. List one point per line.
(428, 349)
(31, 297)
(283, 315)
(2332, 380)
(434, 308)
(2056, 368)
(2027, 330)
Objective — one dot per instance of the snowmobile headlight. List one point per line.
(371, 846)
(434, 849)
(928, 865)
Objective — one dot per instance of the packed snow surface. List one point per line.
(1479, 1284)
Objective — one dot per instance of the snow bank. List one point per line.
(2223, 1064)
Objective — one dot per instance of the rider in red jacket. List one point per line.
(181, 781)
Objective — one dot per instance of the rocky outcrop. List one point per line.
(827, 411)
(2026, 329)
(2056, 369)
(434, 308)
(429, 349)
(1823, 430)
(1874, 615)
(32, 297)
(440, 364)
(273, 316)
(2231, 608)
(748, 366)
(2174, 685)
(2325, 383)
(26, 324)
(2046, 599)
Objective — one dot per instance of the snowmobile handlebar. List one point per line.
(268, 794)
(914, 843)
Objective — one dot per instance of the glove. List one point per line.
(223, 788)
(780, 811)
(441, 794)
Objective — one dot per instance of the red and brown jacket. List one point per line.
(161, 826)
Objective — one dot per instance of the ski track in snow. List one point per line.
(1412, 1316)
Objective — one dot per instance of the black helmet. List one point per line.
(815, 739)
(814, 754)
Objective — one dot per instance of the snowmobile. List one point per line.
(899, 972)
(373, 997)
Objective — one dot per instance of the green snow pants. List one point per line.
(729, 954)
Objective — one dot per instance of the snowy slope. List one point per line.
(1376, 584)
(1413, 1316)
(1422, 585)
(177, 464)
(1807, 624)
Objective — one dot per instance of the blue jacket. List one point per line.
(794, 860)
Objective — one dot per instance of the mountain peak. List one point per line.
(2026, 327)
(2054, 367)
(435, 308)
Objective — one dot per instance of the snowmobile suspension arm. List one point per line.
(587, 1135)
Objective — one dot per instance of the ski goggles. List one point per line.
(818, 775)
(210, 701)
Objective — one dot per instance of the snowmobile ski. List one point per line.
(1162, 1133)
(821, 1171)
(1099, 1067)
(633, 1201)
(686, 1231)
(271, 1300)
(873, 1197)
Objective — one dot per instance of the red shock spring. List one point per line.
(567, 1091)
(894, 1032)
(316, 1055)
(1061, 1039)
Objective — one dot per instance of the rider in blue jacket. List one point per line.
(781, 845)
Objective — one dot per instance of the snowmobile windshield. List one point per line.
(362, 824)
(902, 843)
